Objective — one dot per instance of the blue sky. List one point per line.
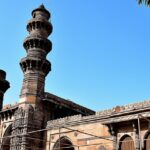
(101, 50)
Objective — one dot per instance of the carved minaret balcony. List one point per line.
(4, 85)
(35, 66)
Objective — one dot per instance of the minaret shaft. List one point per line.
(30, 87)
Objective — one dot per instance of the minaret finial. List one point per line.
(42, 6)
(43, 10)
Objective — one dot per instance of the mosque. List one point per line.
(44, 121)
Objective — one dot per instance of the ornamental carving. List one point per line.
(63, 121)
(20, 127)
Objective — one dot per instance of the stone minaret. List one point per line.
(4, 85)
(30, 114)
(35, 66)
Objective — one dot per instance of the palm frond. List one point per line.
(147, 2)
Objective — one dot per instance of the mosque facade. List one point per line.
(44, 121)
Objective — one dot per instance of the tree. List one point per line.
(147, 2)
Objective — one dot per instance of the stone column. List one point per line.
(113, 132)
(136, 138)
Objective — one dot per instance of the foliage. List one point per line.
(147, 2)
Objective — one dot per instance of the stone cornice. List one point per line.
(126, 113)
(130, 108)
(67, 104)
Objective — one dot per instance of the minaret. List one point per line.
(35, 66)
(4, 85)
(30, 114)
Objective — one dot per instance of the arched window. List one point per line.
(6, 138)
(126, 143)
(63, 144)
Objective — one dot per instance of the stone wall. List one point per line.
(81, 136)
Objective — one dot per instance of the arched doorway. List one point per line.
(6, 140)
(126, 143)
(147, 141)
(63, 144)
